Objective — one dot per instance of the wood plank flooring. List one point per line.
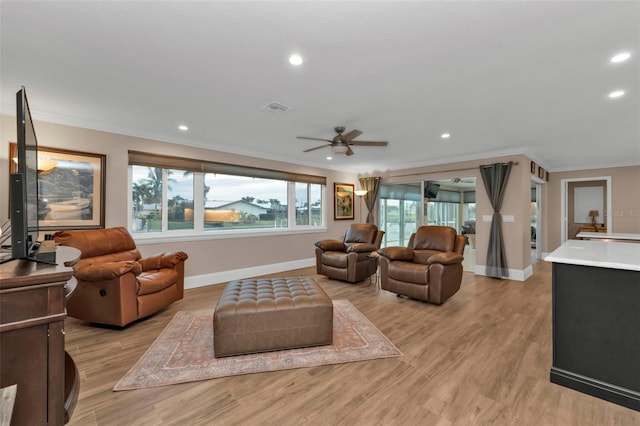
(482, 358)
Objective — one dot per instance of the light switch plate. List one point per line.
(486, 217)
(508, 218)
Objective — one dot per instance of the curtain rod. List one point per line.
(515, 163)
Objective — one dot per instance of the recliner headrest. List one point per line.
(442, 238)
(361, 233)
(97, 242)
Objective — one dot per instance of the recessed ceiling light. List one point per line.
(329, 158)
(620, 57)
(616, 94)
(295, 59)
(445, 136)
(183, 127)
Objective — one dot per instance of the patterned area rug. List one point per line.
(184, 351)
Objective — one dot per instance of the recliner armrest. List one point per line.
(107, 271)
(396, 253)
(331, 245)
(445, 258)
(163, 260)
(360, 247)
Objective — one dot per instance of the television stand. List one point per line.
(32, 349)
(44, 253)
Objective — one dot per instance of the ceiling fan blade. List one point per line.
(349, 151)
(317, 147)
(313, 139)
(351, 135)
(369, 143)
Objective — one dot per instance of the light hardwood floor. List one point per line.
(483, 358)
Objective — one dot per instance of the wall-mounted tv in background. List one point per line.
(431, 190)
(23, 185)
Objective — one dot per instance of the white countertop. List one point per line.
(608, 235)
(603, 254)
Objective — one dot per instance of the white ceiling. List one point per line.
(502, 77)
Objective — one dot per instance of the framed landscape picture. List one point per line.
(343, 201)
(71, 191)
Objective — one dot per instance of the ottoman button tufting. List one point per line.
(259, 315)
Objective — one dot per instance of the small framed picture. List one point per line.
(540, 172)
(343, 201)
(533, 167)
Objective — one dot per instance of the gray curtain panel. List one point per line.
(495, 177)
(372, 186)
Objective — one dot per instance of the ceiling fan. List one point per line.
(342, 143)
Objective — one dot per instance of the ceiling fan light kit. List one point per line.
(342, 143)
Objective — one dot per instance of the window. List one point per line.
(444, 209)
(240, 202)
(146, 195)
(308, 204)
(442, 213)
(469, 206)
(179, 199)
(195, 196)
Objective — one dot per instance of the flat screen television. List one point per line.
(431, 190)
(23, 185)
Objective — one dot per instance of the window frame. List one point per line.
(199, 232)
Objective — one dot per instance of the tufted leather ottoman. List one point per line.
(259, 315)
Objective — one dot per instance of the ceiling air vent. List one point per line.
(277, 107)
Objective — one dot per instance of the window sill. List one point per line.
(173, 236)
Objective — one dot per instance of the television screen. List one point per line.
(24, 184)
(431, 190)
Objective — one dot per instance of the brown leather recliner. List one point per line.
(428, 269)
(115, 285)
(350, 259)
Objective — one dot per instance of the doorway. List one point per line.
(403, 207)
(452, 202)
(585, 205)
(535, 213)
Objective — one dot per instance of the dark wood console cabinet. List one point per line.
(32, 355)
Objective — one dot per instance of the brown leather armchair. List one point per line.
(350, 259)
(115, 285)
(428, 269)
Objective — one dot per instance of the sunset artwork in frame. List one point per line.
(343, 201)
(71, 192)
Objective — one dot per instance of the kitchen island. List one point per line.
(609, 236)
(596, 319)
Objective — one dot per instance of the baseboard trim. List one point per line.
(196, 281)
(514, 274)
(616, 394)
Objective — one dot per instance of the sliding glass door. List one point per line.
(399, 212)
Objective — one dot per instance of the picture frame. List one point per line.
(533, 167)
(540, 172)
(71, 188)
(343, 201)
